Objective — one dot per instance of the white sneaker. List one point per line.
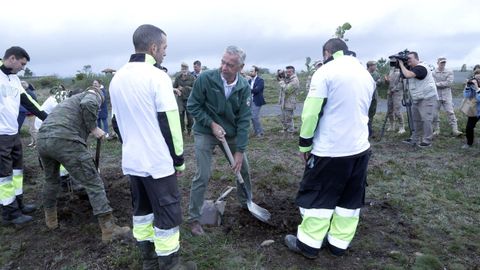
(466, 146)
(401, 130)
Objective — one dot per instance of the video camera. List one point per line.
(401, 56)
(280, 74)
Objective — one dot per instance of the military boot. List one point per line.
(51, 218)
(391, 126)
(25, 207)
(455, 131)
(149, 256)
(110, 230)
(172, 262)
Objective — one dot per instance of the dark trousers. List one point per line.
(158, 196)
(471, 123)
(11, 157)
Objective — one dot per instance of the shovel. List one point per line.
(97, 153)
(260, 213)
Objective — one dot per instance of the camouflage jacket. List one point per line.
(289, 89)
(73, 118)
(395, 81)
(186, 82)
(443, 81)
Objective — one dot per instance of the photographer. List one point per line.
(424, 99)
(472, 91)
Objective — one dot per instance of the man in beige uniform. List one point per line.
(443, 80)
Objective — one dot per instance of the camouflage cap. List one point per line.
(184, 65)
(371, 63)
(441, 60)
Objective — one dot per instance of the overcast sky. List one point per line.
(63, 36)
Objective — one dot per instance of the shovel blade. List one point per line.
(260, 213)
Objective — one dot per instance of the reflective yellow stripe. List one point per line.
(143, 227)
(33, 101)
(18, 181)
(63, 171)
(7, 190)
(176, 130)
(167, 241)
(149, 59)
(343, 226)
(314, 226)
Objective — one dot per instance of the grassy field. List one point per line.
(422, 211)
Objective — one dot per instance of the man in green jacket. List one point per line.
(220, 104)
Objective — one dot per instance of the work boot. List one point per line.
(25, 208)
(110, 230)
(18, 220)
(172, 262)
(291, 243)
(11, 214)
(391, 126)
(51, 218)
(196, 228)
(149, 256)
(456, 132)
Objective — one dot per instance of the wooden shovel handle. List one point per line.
(230, 158)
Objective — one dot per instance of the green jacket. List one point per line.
(208, 103)
(73, 118)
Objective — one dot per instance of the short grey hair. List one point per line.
(237, 51)
(146, 35)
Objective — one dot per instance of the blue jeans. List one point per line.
(257, 125)
(103, 121)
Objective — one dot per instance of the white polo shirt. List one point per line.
(137, 92)
(348, 87)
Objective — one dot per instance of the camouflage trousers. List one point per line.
(394, 105)
(182, 110)
(445, 104)
(78, 161)
(287, 120)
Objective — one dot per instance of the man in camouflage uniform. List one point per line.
(372, 69)
(182, 86)
(62, 139)
(394, 100)
(443, 80)
(289, 89)
(318, 64)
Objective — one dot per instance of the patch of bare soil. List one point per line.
(78, 241)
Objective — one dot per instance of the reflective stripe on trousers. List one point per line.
(317, 222)
(167, 241)
(7, 190)
(314, 226)
(143, 228)
(18, 181)
(343, 226)
(63, 171)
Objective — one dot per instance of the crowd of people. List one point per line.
(151, 115)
